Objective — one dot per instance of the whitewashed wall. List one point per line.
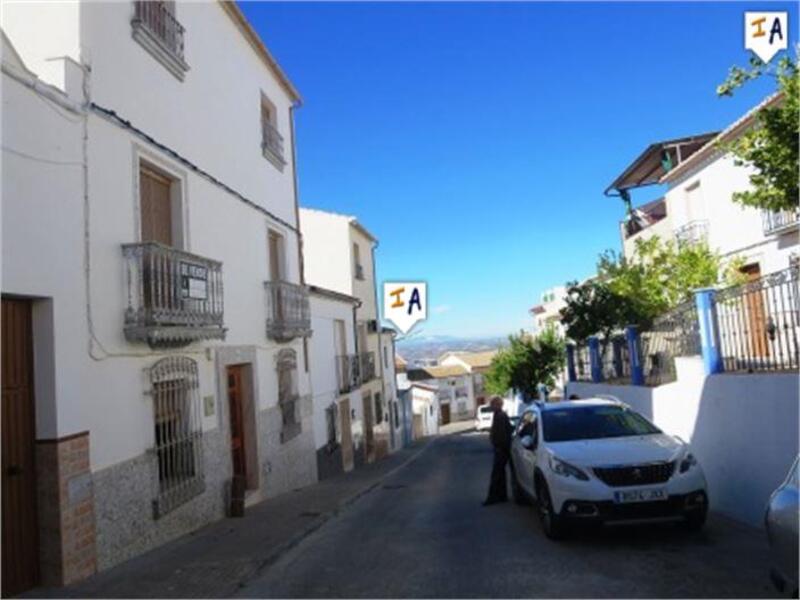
(742, 428)
(322, 357)
(326, 250)
(733, 229)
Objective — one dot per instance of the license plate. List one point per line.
(640, 496)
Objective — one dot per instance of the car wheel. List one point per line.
(552, 524)
(519, 495)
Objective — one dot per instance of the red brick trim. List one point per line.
(66, 438)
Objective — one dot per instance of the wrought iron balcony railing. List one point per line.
(159, 22)
(693, 232)
(780, 220)
(348, 372)
(288, 313)
(367, 360)
(272, 142)
(174, 297)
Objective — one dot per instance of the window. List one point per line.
(159, 207)
(271, 139)
(178, 432)
(288, 399)
(396, 415)
(378, 409)
(331, 419)
(160, 33)
(385, 357)
(359, 269)
(276, 256)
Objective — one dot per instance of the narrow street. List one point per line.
(423, 533)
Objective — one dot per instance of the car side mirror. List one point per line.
(527, 441)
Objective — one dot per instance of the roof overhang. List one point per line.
(652, 164)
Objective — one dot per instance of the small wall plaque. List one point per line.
(208, 405)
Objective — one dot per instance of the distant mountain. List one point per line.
(425, 349)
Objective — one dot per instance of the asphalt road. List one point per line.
(424, 533)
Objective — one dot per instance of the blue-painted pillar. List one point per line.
(705, 300)
(594, 359)
(635, 353)
(571, 375)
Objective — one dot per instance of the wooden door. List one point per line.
(236, 405)
(369, 434)
(756, 314)
(156, 207)
(347, 434)
(20, 562)
(445, 414)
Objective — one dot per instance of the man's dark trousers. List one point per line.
(500, 436)
(497, 488)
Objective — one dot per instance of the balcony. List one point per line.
(779, 221)
(272, 144)
(159, 32)
(693, 232)
(174, 298)
(348, 372)
(288, 313)
(367, 366)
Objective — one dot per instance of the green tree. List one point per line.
(660, 275)
(771, 146)
(593, 308)
(527, 362)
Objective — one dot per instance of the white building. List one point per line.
(397, 414)
(547, 313)
(339, 255)
(152, 282)
(459, 383)
(334, 380)
(425, 410)
(698, 205)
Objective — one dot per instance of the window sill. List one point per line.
(150, 42)
(278, 161)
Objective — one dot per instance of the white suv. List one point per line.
(599, 460)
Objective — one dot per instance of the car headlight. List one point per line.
(688, 462)
(565, 469)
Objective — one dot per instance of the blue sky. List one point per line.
(475, 140)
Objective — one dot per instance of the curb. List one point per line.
(346, 502)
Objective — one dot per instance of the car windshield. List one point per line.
(594, 422)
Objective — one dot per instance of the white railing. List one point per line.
(775, 221)
(693, 232)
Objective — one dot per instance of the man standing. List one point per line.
(501, 442)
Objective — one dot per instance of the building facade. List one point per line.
(335, 381)
(339, 255)
(152, 284)
(698, 205)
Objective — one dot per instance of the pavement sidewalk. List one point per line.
(218, 559)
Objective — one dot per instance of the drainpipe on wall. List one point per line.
(296, 195)
(378, 318)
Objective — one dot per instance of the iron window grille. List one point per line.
(178, 432)
(288, 399)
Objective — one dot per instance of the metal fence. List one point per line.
(676, 333)
(288, 310)
(759, 323)
(615, 360)
(583, 363)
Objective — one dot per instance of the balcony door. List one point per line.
(156, 207)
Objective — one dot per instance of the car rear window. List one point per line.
(486, 409)
(594, 422)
